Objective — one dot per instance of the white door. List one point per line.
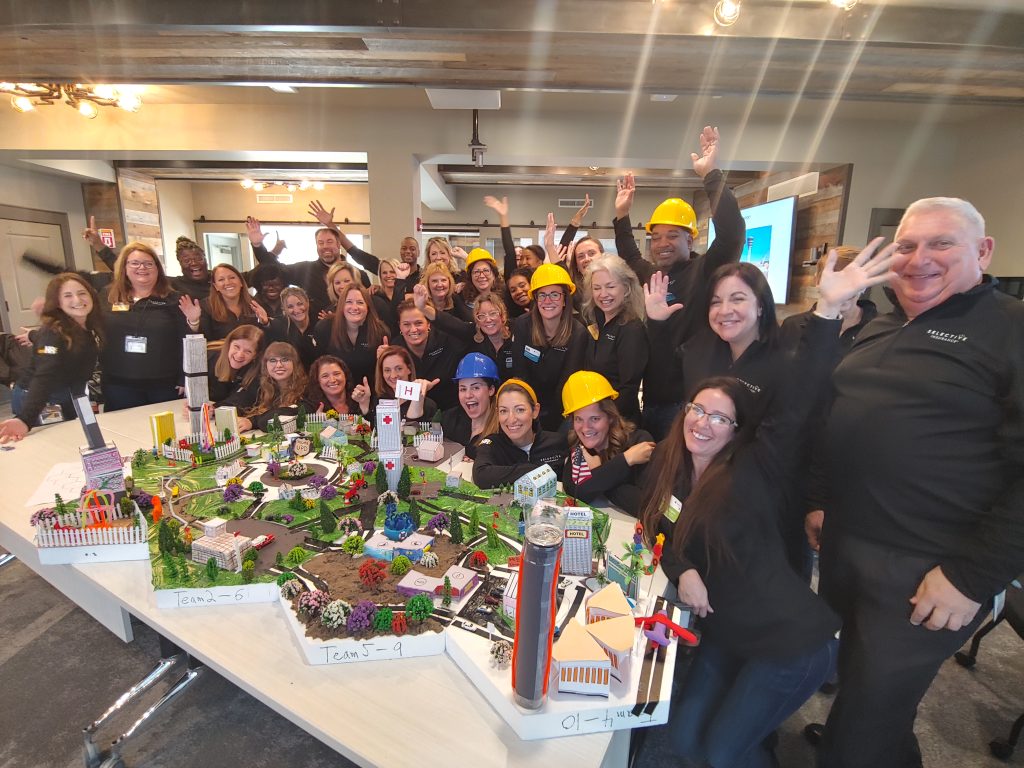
(21, 282)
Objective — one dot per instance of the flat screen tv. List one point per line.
(769, 245)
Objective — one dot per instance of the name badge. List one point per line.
(532, 354)
(120, 307)
(136, 345)
(51, 414)
(675, 506)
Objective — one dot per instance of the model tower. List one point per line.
(196, 386)
(389, 440)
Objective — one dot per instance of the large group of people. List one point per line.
(665, 385)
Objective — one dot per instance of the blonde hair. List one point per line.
(438, 268)
(444, 245)
(222, 369)
(336, 267)
(490, 298)
(121, 288)
(633, 302)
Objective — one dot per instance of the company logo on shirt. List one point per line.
(949, 338)
(48, 351)
(752, 387)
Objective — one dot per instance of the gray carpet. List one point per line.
(59, 669)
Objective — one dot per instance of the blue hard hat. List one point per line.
(476, 366)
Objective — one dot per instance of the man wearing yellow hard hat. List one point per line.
(684, 309)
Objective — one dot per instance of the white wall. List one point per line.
(176, 215)
(45, 192)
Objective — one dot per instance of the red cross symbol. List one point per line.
(390, 465)
(387, 420)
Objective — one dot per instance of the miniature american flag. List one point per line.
(580, 468)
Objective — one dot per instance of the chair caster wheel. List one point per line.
(965, 660)
(1000, 749)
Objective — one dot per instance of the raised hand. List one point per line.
(190, 309)
(707, 160)
(561, 254)
(361, 395)
(625, 189)
(499, 206)
(577, 218)
(278, 246)
(549, 235)
(403, 270)
(867, 269)
(253, 230)
(261, 314)
(639, 453)
(383, 345)
(656, 298)
(420, 295)
(92, 235)
(23, 337)
(459, 253)
(321, 214)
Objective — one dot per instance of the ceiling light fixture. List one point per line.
(843, 5)
(290, 184)
(85, 99)
(726, 12)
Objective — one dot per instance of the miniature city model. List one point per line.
(95, 530)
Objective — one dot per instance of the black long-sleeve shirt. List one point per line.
(361, 357)
(56, 372)
(311, 276)
(925, 439)
(762, 608)
(440, 359)
(308, 346)
(466, 332)
(458, 427)
(162, 325)
(499, 461)
(688, 285)
(546, 368)
(619, 353)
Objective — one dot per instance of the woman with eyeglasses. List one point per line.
(64, 353)
(618, 348)
(481, 276)
(548, 343)
(606, 451)
(234, 370)
(295, 325)
(354, 333)
(282, 387)
(228, 306)
(489, 333)
(145, 321)
(715, 490)
(515, 443)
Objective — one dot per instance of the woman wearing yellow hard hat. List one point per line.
(515, 444)
(548, 343)
(618, 348)
(481, 276)
(606, 452)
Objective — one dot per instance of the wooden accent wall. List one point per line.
(820, 219)
(102, 201)
(141, 208)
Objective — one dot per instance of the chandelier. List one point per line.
(86, 99)
(291, 186)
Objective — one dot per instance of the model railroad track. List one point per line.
(320, 583)
(651, 673)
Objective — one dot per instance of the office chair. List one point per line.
(1013, 612)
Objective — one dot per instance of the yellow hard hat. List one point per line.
(584, 388)
(478, 254)
(550, 274)
(676, 213)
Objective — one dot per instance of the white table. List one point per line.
(347, 707)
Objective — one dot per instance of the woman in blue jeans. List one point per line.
(715, 488)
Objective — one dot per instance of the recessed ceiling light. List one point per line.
(664, 96)
(282, 88)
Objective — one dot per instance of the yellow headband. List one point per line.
(520, 383)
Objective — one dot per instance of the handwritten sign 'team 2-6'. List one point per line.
(237, 595)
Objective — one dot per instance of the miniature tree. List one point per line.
(335, 614)
(493, 543)
(353, 545)
(312, 604)
(296, 556)
(478, 559)
(455, 529)
(127, 506)
(279, 560)
(474, 523)
(286, 576)
(248, 571)
(404, 484)
(300, 418)
(438, 522)
(167, 536)
(415, 514)
(170, 567)
(327, 520)
(251, 555)
(257, 489)
(372, 573)
(446, 592)
(419, 607)
(211, 569)
(59, 505)
(227, 435)
(401, 565)
(382, 619)
(380, 478)
(139, 458)
(361, 617)
(297, 503)
(429, 560)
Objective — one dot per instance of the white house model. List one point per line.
(609, 603)
(615, 636)
(582, 666)
(225, 548)
(541, 483)
(430, 450)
